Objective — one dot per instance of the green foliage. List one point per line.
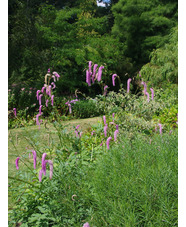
(163, 66)
(142, 26)
(131, 183)
(133, 177)
(86, 109)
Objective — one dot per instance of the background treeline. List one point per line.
(126, 36)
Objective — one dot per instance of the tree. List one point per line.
(143, 25)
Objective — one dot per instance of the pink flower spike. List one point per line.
(105, 130)
(128, 85)
(145, 87)
(90, 66)
(77, 127)
(16, 163)
(40, 109)
(47, 103)
(52, 100)
(51, 167)
(147, 94)
(108, 141)
(92, 133)
(86, 225)
(15, 113)
(54, 86)
(113, 79)
(43, 163)
(49, 90)
(49, 70)
(105, 90)
(40, 175)
(100, 73)
(115, 135)
(56, 75)
(70, 108)
(152, 93)
(40, 99)
(117, 127)
(37, 94)
(101, 143)
(80, 134)
(77, 133)
(160, 126)
(88, 78)
(37, 119)
(94, 72)
(104, 120)
(54, 78)
(34, 158)
(42, 90)
(139, 74)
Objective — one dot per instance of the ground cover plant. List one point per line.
(119, 171)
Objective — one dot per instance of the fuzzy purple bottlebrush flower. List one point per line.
(40, 175)
(42, 90)
(52, 100)
(90, 66)
(117, 127)
(115, 135)
(152, 93)
(43, 163)
(105, 90)
(49, 90)
(56, 75)
(77, 127)
(128, 85)
(54, 78)
(16, 162)
(53, 84)
(145, 87)
(147, 94)
(51, 167)
(37, 94)
(105, 130)
(37, 119)
(160, 128)
(108, 141)
(74, 101)
(113, 79)
(15, 113)
(40, 99)
(40, 109)
(94, 72)
(47, 103)
(70, 108)
(100, 73)
(104, 120)
(88, 80)
(77, 133)
(86, 225)
(92, 133)
(49, 70)
(34, 158)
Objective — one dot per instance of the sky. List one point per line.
(102, 3)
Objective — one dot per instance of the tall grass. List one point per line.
(134, 183)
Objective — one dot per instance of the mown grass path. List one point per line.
(16, 143)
